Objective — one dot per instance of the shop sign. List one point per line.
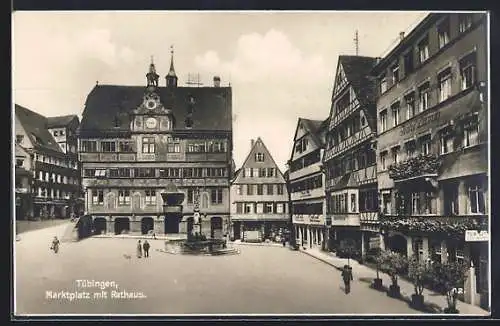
(22, 190)
(316, 219)
(298, 218)
(475, 236)
(412, 126)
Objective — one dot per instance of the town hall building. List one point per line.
(137, 141)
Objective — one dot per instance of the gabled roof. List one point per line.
(35, 126)
(106, 103)
(60, 121)
(268, 157)
(314, 127)
(357, 71)
(346, 181)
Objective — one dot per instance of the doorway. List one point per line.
(147, 224)
(100, 225)
(237, 230)
(122, 225)
(216, 227)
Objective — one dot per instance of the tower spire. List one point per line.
(171, 76)
(152, 76)
(356, 42)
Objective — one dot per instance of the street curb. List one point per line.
(321, 259)
(256, 244)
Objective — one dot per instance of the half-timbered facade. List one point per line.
(259, 198)
(54, 189)
(134, 141)
(306, 183)
(349, 160)
(433, 144)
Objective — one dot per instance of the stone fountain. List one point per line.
(193, 242)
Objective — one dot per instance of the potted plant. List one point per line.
(449, 278)
(377, 282)
(393, 264)
(419, 273)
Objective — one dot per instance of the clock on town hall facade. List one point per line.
(151, 115)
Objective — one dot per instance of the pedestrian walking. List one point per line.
(154, 235)
(55, 245)
(347, 277)
(145, 246)
(139, 249)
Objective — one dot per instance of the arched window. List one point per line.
(110, 201)
(136, 201)
(204, 200)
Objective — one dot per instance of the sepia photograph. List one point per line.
(250, 163)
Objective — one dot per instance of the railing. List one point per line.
(415, 167)
(348, 143)
(311, 193)
(339, 117)
(345, 219)
(452, 226)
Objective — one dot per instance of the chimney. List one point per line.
(401, 35)
(252, 142)
(216, 81)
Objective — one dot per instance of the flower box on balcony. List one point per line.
(453, 227)
(415, 166)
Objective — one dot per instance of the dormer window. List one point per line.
(259, 157)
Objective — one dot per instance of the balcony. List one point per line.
(345, 219)
(415, 167)
(451, 226)
(348, 143)
(206, 157)
(339, 117)
(305, 194)
(313, 168)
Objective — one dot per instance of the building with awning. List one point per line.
(432, 144)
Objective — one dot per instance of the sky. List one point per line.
(281, 65)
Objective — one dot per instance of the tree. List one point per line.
(450, 278)
(419, 273)
(393, 264)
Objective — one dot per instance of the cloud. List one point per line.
(57, 65)
(273, 84)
